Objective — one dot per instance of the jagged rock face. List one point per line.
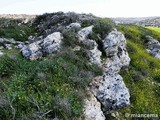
(112, 42)
(93, 53)
(153, 47)
(42, 47)
(83, 34)
(110, 89)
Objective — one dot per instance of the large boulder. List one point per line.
(32, 51)
(93, 52)
(113, 42)
(113, 93)
(83, 33)
(43, 47)
(51, 43)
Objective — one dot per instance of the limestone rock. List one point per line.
(32, 51)
(73, 26)
(43, 47)
(113, 41)
(110, 89)
(153, 47)
(11, 43)
(92, 109)
(94, 54)
(52, 43)
(113, 93)
(83, 33)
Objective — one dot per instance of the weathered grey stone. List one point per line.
(153, 47)
(77, 48)
(92, 109)
(112, 92)
(7, 41)
(83, 33)
(110, 89)
(94, 54)
(32, 51)
(114, 40)
(20, 46)
(42, 47)
(73, 26)
(8, 46)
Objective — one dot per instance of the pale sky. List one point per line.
(102, 8)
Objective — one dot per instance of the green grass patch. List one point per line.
(154, 28)
(20, 33)
(142, 72)
(44, 89)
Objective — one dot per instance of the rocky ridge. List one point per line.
(107, 92)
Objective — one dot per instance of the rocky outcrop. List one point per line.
(153, 47)
(110, 89)
(107, 92)
(43, 47)
(93, 53)
(83, 33)
(72, 26)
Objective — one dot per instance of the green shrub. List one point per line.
(10, 28)
(102, 27)
(44, 89)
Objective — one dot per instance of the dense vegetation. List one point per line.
(10, 28)
(143, 72)
(55, 85)
(48, 88)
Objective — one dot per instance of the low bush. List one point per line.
(48, 88)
